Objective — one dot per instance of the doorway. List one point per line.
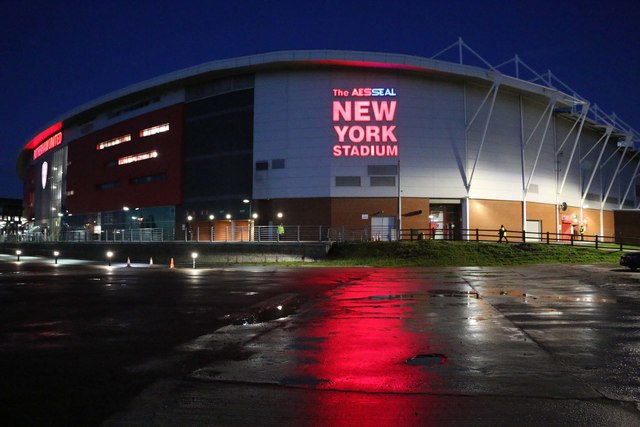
(446, 221)
(383, 228)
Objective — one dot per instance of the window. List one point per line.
(147, 179)
(382, 169)
(348, 181)
(137, 157)
(383, 181)
(107, 185)
(114, 141)
(277, 164)
(154, 130)
(262, 165)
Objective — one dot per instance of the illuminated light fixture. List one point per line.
(125, 208)
(18, 253)
(55, 256)
(114, 141)
(137, 157)
(109, 256)
(254, 215)
(228, 216)
(212, 217)
(154, 130)
(194, 255)
(189, 218)
(279, 214)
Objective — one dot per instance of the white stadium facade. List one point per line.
(364, 141)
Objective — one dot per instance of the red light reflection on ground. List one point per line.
(361, 342)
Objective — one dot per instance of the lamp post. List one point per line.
(55, 256)
(188, 230)
(18, 253)
(194, 255)
(109, 255)
(251, 218)
(211, 218)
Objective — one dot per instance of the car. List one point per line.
(631, 260)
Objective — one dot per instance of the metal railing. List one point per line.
(319, 233)
(521, 236)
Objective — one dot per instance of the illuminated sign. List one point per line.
(363, 126)
(43, 174)
(51, 142)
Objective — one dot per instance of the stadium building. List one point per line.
(345, 141)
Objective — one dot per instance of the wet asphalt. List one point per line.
(87, 344)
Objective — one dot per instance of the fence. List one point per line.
(319, 233)
(488, 235)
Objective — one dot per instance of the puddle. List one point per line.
(268, 312)
(431, 359)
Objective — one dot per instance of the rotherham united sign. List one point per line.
(364, 127)
(48, 144)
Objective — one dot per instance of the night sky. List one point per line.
(57, 55)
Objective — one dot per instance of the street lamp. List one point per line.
(194, 255)
(245, 201)
(55, 256)
(279, 215)
(109, 255)
(187, 232)
(18, 253)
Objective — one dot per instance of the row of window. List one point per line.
(134, 181)
(263, 165)
(126, 138)
(374, 181)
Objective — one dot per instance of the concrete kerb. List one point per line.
(181, 252)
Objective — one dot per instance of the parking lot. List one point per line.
(89, 344)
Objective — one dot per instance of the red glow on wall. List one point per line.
(368, 64)
(43, 135)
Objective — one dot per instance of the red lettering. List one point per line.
(373, 134)
(362, 111)
(341, 131)
(340, 111)
(356, 134)
(387, 134)
(384, 111)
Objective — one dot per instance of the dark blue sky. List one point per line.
(57, 55)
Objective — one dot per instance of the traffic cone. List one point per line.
(151, 261)
(128, 262)
(171, 265)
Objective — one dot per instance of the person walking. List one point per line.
(503, 234)
(581, 231)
